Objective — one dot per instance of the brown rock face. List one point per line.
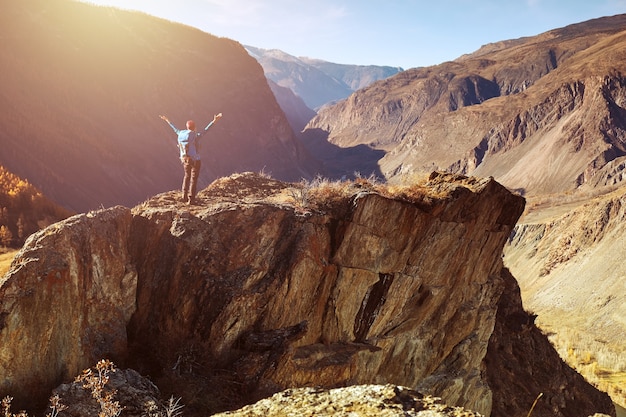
(287, 300)
(66, 301)
(250, 291)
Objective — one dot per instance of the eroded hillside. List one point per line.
(542, 114)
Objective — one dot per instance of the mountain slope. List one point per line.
(559, 94)
(297, 113)
(82, 88)
(571, 271)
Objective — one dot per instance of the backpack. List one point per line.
(184, 148)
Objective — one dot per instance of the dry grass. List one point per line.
(322, 193)
(602, 364)
(6, 257)
(95, 380)
(319, 194)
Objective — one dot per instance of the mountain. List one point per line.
(545, 116)
(267, 285)
(82, 89)
(354, 76)
(316, 81)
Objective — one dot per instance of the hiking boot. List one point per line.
(191, 201)
(185, 199)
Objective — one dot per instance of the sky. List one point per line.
(404, 33)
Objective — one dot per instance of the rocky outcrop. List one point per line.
(267, 285)
(66, 302)
(104, 389)
(361, 400)
(287, 300)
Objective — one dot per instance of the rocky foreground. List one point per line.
(266, 286)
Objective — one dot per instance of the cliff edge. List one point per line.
(266, 285)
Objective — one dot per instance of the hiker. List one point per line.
(188, 144)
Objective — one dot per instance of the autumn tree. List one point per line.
(6, 237)
(23, 209)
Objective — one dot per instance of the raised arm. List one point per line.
(215, 119)
(169, 123)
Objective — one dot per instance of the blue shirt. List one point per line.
(188, 141)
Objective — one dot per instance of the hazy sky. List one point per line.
(406, 33)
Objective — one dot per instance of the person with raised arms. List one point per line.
(188, 144)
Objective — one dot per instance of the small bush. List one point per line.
(96, 383)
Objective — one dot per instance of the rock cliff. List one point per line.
(268, 285)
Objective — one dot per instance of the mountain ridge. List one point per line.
(454, 113)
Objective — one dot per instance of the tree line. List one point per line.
(23, 210)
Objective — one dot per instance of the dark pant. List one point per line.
(190, 181)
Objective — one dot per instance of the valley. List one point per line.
(441, 148)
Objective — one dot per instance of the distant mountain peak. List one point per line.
(316, 81)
